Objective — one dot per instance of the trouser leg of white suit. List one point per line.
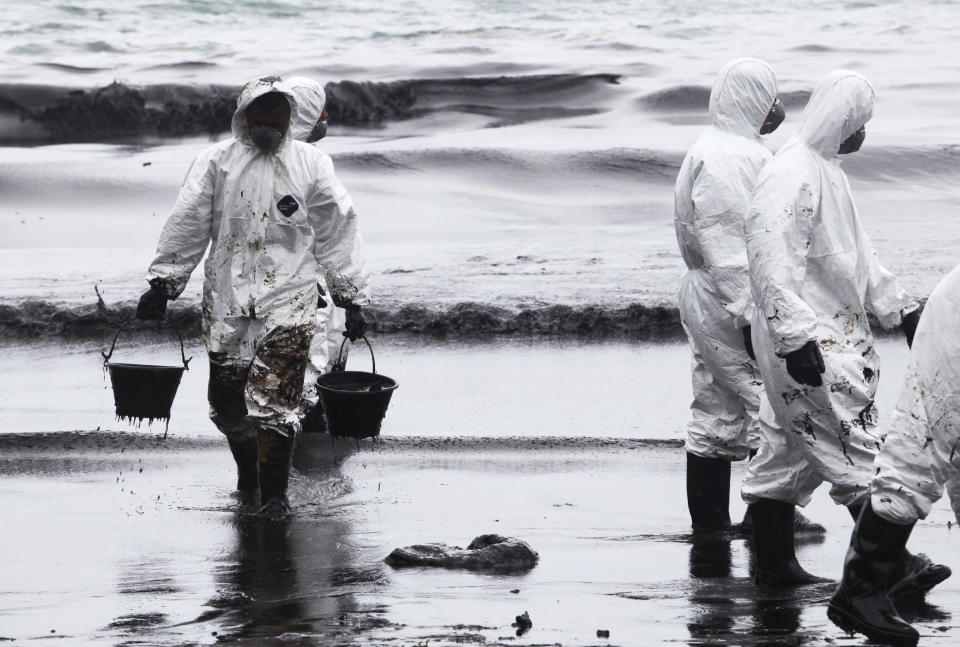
(319, 358)
(914, 463)
(832, 427)
(259, 382)
(719, 424)
(953, 490)
(229, 367)
(779, 471)
(726, 382)
(337, 345)
(274, 390)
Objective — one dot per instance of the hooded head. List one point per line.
(251, 92)
(839, 106)
(311, 100)
(742, 96)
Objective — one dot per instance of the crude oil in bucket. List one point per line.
(355, 402)
(143, 391)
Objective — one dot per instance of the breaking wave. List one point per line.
(27, 446)
(632, 164)
(55, 114)
(696, 98)
(37, 318)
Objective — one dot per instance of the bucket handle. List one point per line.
(341, 363)
(108, 354)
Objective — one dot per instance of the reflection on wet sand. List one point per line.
(153, 550)
(295, 581)
(280, 579)
(728, 609)
(711, 616)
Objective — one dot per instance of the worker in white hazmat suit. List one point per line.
(815, 277)
(711, 198)
(310, 126)
(919, 456)
(272, 213)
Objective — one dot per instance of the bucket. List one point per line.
(144, 391)
(355, 402)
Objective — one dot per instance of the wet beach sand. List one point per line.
(114, 536)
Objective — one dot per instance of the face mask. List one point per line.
(319, 132)
(853, 143)
(774, 118)
(266, 138)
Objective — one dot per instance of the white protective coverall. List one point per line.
(275, 224)
(711, 197)
(920, 448)
(815, 276)
(331, 320)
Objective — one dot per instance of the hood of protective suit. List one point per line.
(742, 95)
(311, 100)
(838, 107)
(257, 88)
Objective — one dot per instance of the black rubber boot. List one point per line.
(275, 453)
(861, 603)
(708, 493)
(804, 526)
(245, 455)
(914, 576)
(801, 524)
(773, 545)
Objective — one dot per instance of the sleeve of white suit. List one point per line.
(778, 238)
(338, 244)
(187, 232)
(886, 300)
(721, 198)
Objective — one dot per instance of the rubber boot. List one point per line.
(914, 576)
(861, 603)
(773, 545)
(804, 526)
(274, 455)
(708, 493)
(245, 455)
(801, 524)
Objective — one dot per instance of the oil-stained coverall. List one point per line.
(921, 446)
(815, 276)
(711, 198)
(273, 222)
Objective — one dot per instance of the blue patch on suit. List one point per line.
(288, 205)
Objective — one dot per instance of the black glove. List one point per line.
(748, 342)
(806, 364)
(909, 326)
(356, 325)
(153, 304)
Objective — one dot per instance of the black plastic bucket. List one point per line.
(355, 402)
(144, 391)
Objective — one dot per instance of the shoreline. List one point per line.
(32, 318)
